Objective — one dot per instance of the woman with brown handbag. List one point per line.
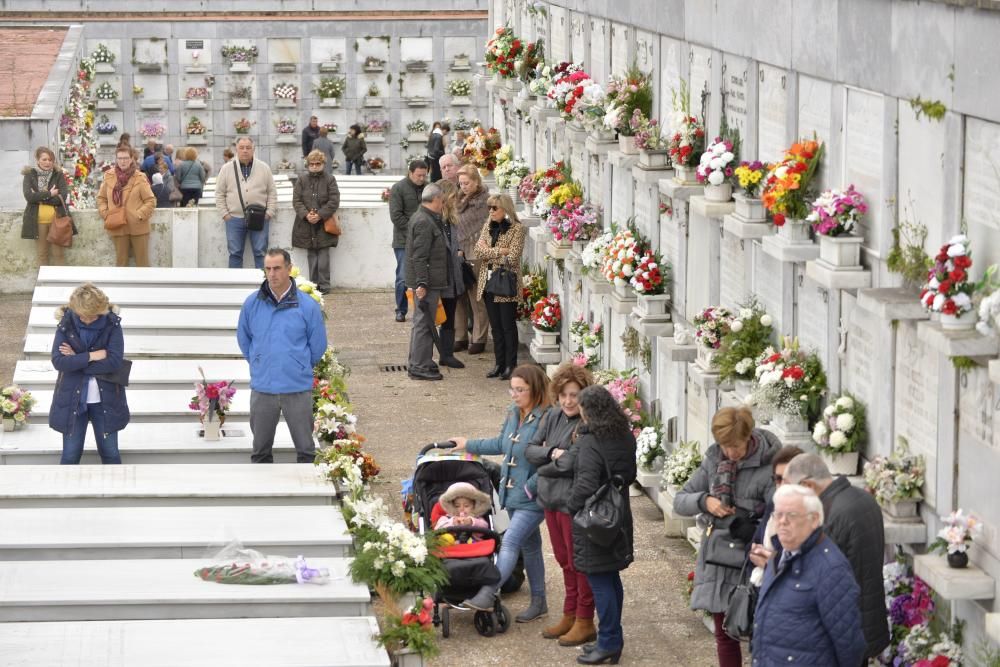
(126, 203)
(45, 189)
(316, 198)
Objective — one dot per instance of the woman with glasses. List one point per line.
(126, 203)
(729, 493)
(518, 488)
(315, 197)
(499, 247)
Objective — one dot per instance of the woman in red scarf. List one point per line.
(126, 203)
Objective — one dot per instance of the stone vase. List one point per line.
(840, 251)
(902, 509)
(794, 231)
(706, 357)
(212, 430)
(958, 559)
(685, 174)
(625, 292)
(742, 388)
(546, 338)
(627, 145)
(8, 423)
(964, 322)
(602, 135)
(579, 246)
(653, 305)
(722, 193)
(654, 159)
(749, 208)
(408, 658)
(840, 464)
(789, 423)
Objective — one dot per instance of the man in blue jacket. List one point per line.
(282, 336)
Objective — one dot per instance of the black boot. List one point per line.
(497, 370)
(447, 350)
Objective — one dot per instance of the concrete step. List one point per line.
(248, 642)
(151, 405)
(89, 533)
(107, 590)
(146, 373)
(152, 297)
(149, 346)
(152, 321)
(170, 485)
(106, 276)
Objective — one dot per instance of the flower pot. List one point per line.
(107, 105)
(104, 68)
(654, 159)
(372, 102)
(902, 509)
(546, 338)
(239, 104)
(685, 174)
(749, 208)
(794, 231)
(841, 251)
(8, 423)
(964, 322)
(653, 305)
(197, 140)
(284, 103)
(789, 423)
(461, 101)
(329, 66)
(625, 292)
(627, 145)
(514, 197)
(742, 388)
(286, 139)
(602, 135)
(840, 464)
(196, 103)
(579, 247)
(958, 559)
(408, 658)
(706, 357)
(719, 193)
(239, 67)
(330, 102)
(211, 430)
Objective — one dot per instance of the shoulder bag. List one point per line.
(255, 215)
(738, 621)
(501, 282)
(602, 517)
(116, 216)
(119, 376)
(332, 225)
(61, 230)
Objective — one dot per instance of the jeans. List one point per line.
(354, 163)
(579, 598)
(236, 235)
(421, 358)
(523, 535)
(107, 443)
(264, 412)
(401, 305)
(609, 596)
(503, 323)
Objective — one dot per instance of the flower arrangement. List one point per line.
(240, 54)
(748, 337)
(686, 141)
(586, 339)
(481, 148)
(243, 125)
(196, 93)
(105, 126)
(622, 255)
(137, 91)
(285, 91)
(376, 163)
(842, 428)
(648, 447)
(331, 128)
(417, 127)
(334, 423)
(372, 62)
(152, 129)
(595, 252)
(330, 379)
(897, 477)
(567, 90)
(837, 212)
(392, 557)
(788, 381)
(590, 108)
(948, 290)
(195, 126)
(385, 195)
(503, 49)
(575, 220)
(212, 398)
(624, 387)
(510, 172)
(681, 464)
(555, 194)
(377, 127)
(712, 325)
(331, 87)
(647, 133)
(546, 315)
(241, 93)
(626, 95)
(412, 629)
(534, 287)
(306, 286)
(106, 91)
(285, 125)
(648, 278)
(16, 404)
(749, 176)
(715, 166)
(77, 144)
(102, 54)
(989, 306)
(528, 189)
(786, 191)
(459, 88)
(343, 463)
(959, 531)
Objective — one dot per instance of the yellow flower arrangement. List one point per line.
(564, 193)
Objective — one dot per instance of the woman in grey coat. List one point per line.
(551, 450)
(455, 289)
(729, 491)
(315, 197)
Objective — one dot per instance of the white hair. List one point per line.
(810, 500)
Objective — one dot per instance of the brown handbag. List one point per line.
(115, 218)
(332, 225)
(61, 229)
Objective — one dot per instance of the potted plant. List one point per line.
(240, 58)
(711, 325)
(502, 52)
(648, 138)
(688, 139)
(376, 164)
(575, 222)
(106, 96)
(626, 95)
(239, 97)
(787, 190)
(649, 281)
(212, 400)
(834, 217)
(243, 125)
(680, 465)
(788, 385)
(195, 130)
(460, 62)
(840, 433)
(286, 127)
(286, 95)
(105, 127)
(417, 130)
(586, 339)
(959, 531)
(896, 481)
(152, 129)
(195, 97)
(376, 129)
(649, 452)
(409, 635)
(373, 97)
(460, 91)
(481, 148)
(715, 170)
(546, 318)
(104, 59)
(750, 176)
(373, 64)
(330, 90)
(15, 407)
(748, 336)
(948, 290)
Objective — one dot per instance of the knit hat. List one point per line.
(481, 501)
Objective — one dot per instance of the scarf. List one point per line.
(122, 179)
(724, 482)
(497, 229)
(43, 179)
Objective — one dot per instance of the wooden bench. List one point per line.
(151, 297)
(153, 321)
(89, 533)
(101, 590)
(248, 642)
(38, 346)
(105, 276)
(163, 485)
(146, 373)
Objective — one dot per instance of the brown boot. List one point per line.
(560, 628)
(583, 631)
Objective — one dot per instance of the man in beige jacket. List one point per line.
(254, 179)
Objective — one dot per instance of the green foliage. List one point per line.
(646, 353)
(908, 259)
(935, 110)
(987, 655)
(399, 568)
(631, 344)
(963, 363)
(414, 636)
(736, 359)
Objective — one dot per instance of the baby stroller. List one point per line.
(470, 565)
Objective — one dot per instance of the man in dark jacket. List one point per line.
(807, 612)
(435, 149)
(428, 273)
(854, 523)
(404, 200)
(309, 134)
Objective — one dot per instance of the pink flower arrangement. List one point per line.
(837, 212)
(625, 390)
(711, 325)
(648, 277)
(575, 221)
(212, 397)
(528, 189)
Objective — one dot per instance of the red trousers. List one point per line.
(579, 597)
(727, 648)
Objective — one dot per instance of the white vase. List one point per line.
(749, 208)
(794, 231)
(330, 102)
(964, 322)
(212, 430)
(627, 145)
(685, 174)
(902, 509)
(625, 292)
(706, 357)
(789, 423)
(653, 305)
(654, 159)
(546, 338)
(461, 101)
(579, 246)
(840, 464)
(8, 424)
(719, 193)
(602, 134)
(408, 658)
(840, 251)
(742, 388)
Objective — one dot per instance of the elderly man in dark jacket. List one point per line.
(807, 612)
(404, 200)
(854, 523)
(429, 272)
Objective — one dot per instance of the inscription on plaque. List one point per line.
(194, 44)
(864, 153)
(558, 26)
(977, 403)
(578, 40)
(733, 285)
(813, 327)
(641, 206)
(701, 78)
(670, 74)
(697, 414)
(619, 48)
(735, 72)
(916, 409)
(982, 172)
(598, 65)
(772, 118)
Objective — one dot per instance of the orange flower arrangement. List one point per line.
(786, 187)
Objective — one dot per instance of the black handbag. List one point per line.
(724, 550)
(469, 277)
(502, 282)
(119, 376)
(738, 621)
(255, 215)
(602, 517)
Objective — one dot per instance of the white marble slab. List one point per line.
(162, 485)
(89, 533)
(152, 321)
(146, 373)
(151, 297)
(152, 276)
(144, 346)
(249, 642)
(102, 590)
(969, 583)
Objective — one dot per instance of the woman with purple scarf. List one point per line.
(728, 493)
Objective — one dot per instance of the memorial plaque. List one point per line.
(813, 320)
(698, 410)
(767, 276)
(642, 209)
(670, 74)
(733, 286)
(621, 199)
(672, 247)
(982, 173)
(287, 50)
(703, 269)
(700, 81)
(194, 44)
(735, 85)
(815, 103)
(978, 401)
(329, 49)
(864, 146)
(670, 387)
(620, 61)
(644, 51)
(558, 26)
(613, 336)
(915, 412)
(772, 116)
(868, 372)
(598, 66)
(578, 39)
(922, 182)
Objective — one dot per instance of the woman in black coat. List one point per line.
(606, 445)
(315, 197)
(88, 351)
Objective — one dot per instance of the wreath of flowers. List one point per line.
(786, 189)
(547, 313)
(948, 289)
(837, 212)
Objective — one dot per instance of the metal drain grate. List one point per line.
(393, 368)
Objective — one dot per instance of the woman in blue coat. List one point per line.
(87, 351)
(518, 484)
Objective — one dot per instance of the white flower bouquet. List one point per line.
(595, 252)
(648, 447)
(681, 464)
(897, 477)
(842, 428)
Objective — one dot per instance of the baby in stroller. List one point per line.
(464, 506)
